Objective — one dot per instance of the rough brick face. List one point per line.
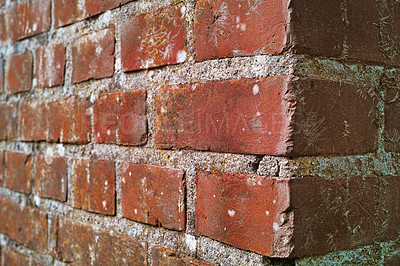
(18, 172)
(2, 167)
(19, 72)
(94, 184)
(238, 28)
(8, 121)
(51, 177)
(65, 12)
(33, 121)
(93, 56)
(28, 18)
(76, 243)
(241, 210)
(122, 112)
(50, 62)
(94, 7)
(3, 29)
(1, 69)
(69, 121)
(277, 115)
(392, 125)
(25, 225)
(153, 195)
(153, 39)
(165, 257)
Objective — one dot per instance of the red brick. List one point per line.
(50, 62)
(2, 2)
(153, 39)
(94, 185)
(276, 218)
(154, 195)
(316, 27)
(3, 29)
(51, 177)
(28, 18)
(122, 112)
(80, 244)
(241, 209)
(94, 7)
(18, 172)
(276, 115)
(24, 224)
(19, 72)
(239, 28)
(93, 56)
(65, 12)
(2, 167)
(14, 258)
(8, 121)
(1, 68)
(33, 121)
(165, 257)
(69, 121)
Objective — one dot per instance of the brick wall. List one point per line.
(208, 132)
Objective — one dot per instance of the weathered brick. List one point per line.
(153, 39)
(94, 7)
(241, 210)
(33, 121)
(8, 121)
(24, 224)
(14, 258)
(3, 29)
(122, 112)
(276, 115)
(2, 167)
(164, 257)
(392, 125)
(50, 62)
(80, 244)
(93, 56)
(316, 27)
(19, 72)
(28, 18)
(94, 185)
(69, 121)
(65, 12)
(238, 28)
(19, 172)
(1, 69)
(153, 195)
(276, 218)
(51, 177)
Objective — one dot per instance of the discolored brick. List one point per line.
(153, 39)
(80, 244)
(24, 224)
(28, 18)
(51, 177)
(154, 195)
(8, 121)
(94, 7)
(50, 62)
(19, 72)
(239, 28)
(164, 257)
(13, 258)
(18, 173)
(122, 114)
(94, 185)
(93, 56)
(65, 12)
(2, 166)
(33, 121)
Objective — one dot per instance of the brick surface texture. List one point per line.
(207, 132)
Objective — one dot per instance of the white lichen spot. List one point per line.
(104, 204)
(123, 180)
(108, 132)
(225, 228)
(130, 173)
(258, 113)
(243, 27)
(243, 129)
(35, 27)
(256, 89)
(135, 210)
(267, 213)
(231, 213)
(98, 134)
(183, 10)
(274, 201)
(162, 110)
(214, 196)
(181, 56)
(162, 193)
(99, 49)
(36, 199)
(275, 226)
